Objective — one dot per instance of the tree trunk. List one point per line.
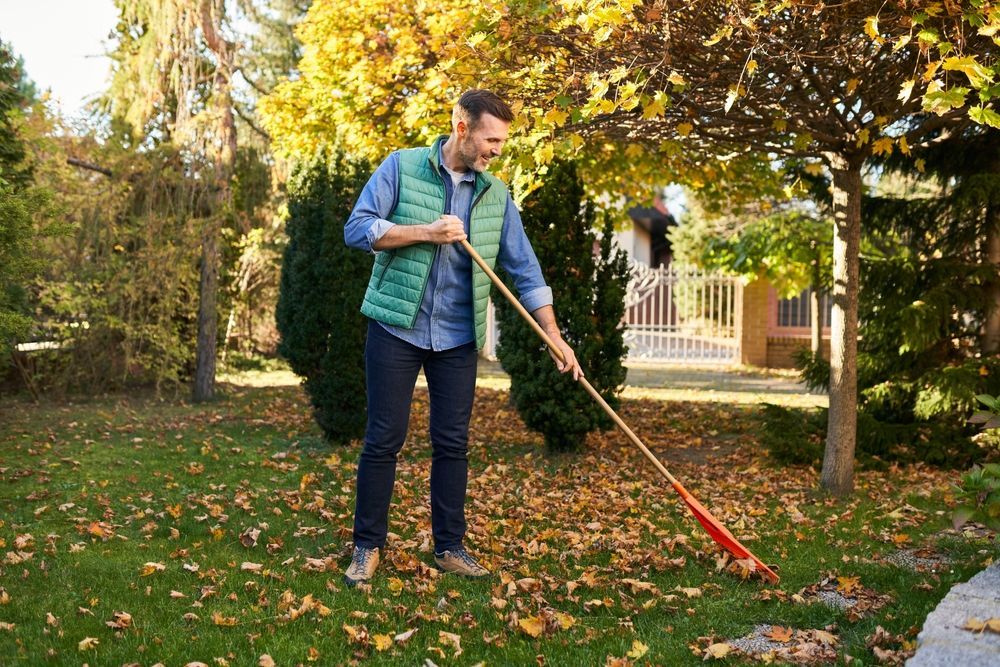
(815, 321)
(815, 314)
(841, 435)
(204, 374)
(991, 329)
(212, 15)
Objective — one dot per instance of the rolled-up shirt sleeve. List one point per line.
(518, 259)
(369, 219)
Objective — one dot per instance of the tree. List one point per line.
(14, 98)
(590, 302)
(322, 285)
(832, 84)
(175, 80)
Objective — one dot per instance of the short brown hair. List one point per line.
(477, 101)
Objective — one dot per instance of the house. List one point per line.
(682, 315)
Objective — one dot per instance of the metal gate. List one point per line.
(674, 314)
(683, 314)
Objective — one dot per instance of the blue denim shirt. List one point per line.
(445, 319)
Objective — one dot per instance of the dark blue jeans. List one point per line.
(391, 367)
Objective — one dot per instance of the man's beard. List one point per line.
(470, 157)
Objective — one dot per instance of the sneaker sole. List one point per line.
(354, 582)
(461, 574)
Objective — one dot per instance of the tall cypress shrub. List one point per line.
(322, 286)
(589, 293)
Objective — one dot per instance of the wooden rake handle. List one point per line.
(559, 355)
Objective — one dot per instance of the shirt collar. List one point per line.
(467, 175)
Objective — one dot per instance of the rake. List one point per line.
(713, 526)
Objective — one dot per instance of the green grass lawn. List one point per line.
(221, 532)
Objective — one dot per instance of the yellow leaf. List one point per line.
(906, 90)
(871, 29)
(690, 592)
(382, 642)
(531, 626)
(920, 164)
(638, 650)
(718, 651)
(221, 620)
(883, 146)
(967, 65)
(931, 69)
(395, 585)
(719, 35)
(150, 568)
(900, 43)
(655, 108)
(863, 136)
(904, 147)
(555, 117)
(684, 129)
(976, 625)
(476, 39)
(676, 79)
(852, 85)
(87, 644)
(565, 620)
(751, 67)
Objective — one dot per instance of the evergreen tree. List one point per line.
(322, 285)
(589, 293)
(15, 95)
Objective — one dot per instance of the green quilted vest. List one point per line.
(399, 276)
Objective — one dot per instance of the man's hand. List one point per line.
(446, 229)
(571, 364)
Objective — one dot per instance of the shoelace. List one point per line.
(466, 558)
(361, 556)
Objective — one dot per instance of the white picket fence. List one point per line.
(674, 314)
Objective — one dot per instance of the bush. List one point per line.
(797, 436)
(322, 285)
(589, 298)
(979, 492)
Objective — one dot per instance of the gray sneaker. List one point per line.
(363, 565)
(460, 561)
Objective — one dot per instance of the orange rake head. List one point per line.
(721, 534)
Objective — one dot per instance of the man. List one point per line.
(426, 303)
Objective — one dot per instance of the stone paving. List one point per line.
(944, 641)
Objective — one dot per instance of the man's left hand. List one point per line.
(570, 363)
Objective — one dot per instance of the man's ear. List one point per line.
(461, 128)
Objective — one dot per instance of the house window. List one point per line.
(795, 313)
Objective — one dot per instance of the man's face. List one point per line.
(476, 147)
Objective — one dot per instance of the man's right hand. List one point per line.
(446, 229)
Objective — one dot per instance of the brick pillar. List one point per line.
(754, 341)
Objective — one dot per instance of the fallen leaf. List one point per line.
(404, 637)
(780, 634)
(382, 642)
(638, 650)
(453, 639)
(531, 626)
(976, 625)
(150, 568)
(88, 644)
(718, 651)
